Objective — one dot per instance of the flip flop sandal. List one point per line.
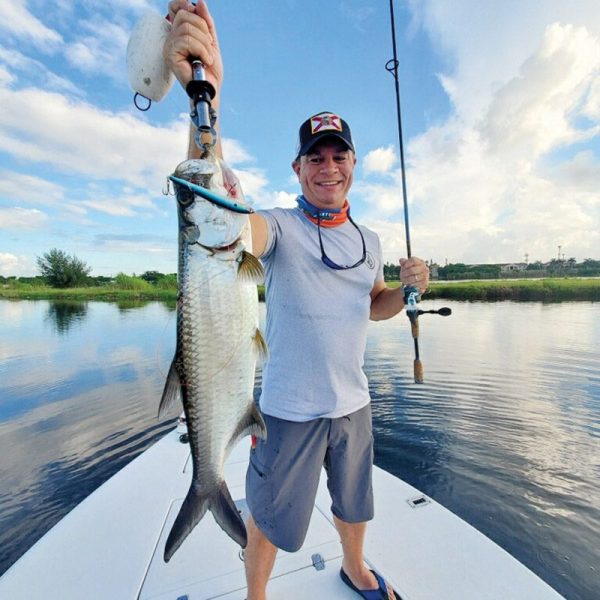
(384, 592)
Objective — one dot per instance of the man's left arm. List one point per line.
(387, 302)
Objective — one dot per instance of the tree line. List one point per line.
(58, 269)
(555, 268)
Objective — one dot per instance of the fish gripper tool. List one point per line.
(203, 116)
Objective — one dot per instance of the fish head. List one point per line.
(202, 221)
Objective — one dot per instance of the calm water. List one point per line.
(505, 431)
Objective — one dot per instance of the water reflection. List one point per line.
(76, 404)
(131, 303)
(65, 313)
(504, 431)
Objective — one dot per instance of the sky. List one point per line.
(500, 114)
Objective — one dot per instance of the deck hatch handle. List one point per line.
(318, 562)
(419, 501)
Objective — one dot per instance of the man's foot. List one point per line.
(383, 591)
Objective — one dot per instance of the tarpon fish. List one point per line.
(218, 342)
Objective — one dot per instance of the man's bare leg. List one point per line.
(259, 558)
(353, 538)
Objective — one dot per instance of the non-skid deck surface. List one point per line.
(111, 546)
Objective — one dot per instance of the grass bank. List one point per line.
(104, 293)
(108, 293)
(524, 290)
(544, 290)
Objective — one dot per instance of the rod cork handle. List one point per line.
(414, 327)
(418, 369)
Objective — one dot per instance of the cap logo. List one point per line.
(325, 122)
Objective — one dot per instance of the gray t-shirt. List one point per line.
(317, 317)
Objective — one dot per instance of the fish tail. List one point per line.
(194, 507)
(228, 516)
(192, 510)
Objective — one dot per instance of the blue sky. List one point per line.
(501, 115)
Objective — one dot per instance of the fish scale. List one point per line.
(219, 380)
(218, 343)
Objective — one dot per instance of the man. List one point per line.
(324, 277)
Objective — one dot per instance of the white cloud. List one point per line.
(21, 218)
(11, 264)
(29, 188)
(490, 184)
(136, 6)
(128, 205)
(256, 188)
(76, 137)
(385, 198)
(234, 152)
(136, 244)
(254, 183)
(33, 70)
(380, 160)
(582, 172)
(486, 43)
(591, 108)
(20, 23)
(533, 113)
(100, 48)
(391, 235)
(6, 78)
(280, 199)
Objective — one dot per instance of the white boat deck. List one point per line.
(111, 546)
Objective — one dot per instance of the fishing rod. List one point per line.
(411, 293)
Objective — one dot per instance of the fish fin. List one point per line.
(192, 510)
(252, 423)
(228, 516)
(250, 268)
(261, 344)
(171, 391)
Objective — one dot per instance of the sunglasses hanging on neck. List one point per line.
(333, 265)
(317, 216)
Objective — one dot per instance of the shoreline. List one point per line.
(518, 290)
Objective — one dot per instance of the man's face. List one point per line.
(325, 173)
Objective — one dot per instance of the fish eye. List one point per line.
(185, 198)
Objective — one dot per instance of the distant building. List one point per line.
(513, 268)
(433, 270)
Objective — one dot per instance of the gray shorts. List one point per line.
(283, 474)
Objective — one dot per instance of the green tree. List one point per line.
(152, 276)
(61, 270)
(391, 272)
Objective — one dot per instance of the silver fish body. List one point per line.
(218, 343)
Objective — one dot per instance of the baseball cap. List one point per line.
(319, 126)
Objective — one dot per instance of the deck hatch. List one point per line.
(419, 501)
